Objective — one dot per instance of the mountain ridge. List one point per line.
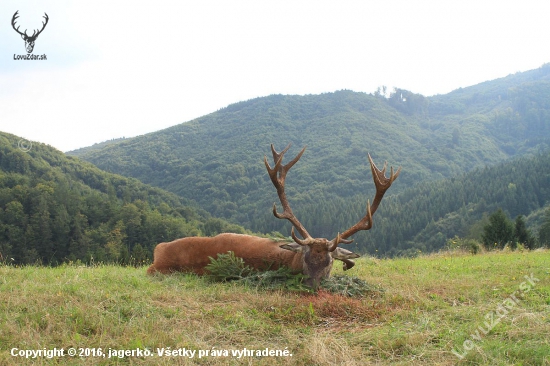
(217, 160)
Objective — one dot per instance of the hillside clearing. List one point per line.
(434, 310)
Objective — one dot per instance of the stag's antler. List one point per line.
(15, 16)
(278, 176)
(43, 25)
(382, 184)
(34, 34)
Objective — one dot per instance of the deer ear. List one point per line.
(341, 254)
(295, 247)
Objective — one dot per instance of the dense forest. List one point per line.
(55, 208)
(216, 160)
(468, 158)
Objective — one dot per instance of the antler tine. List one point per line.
(394, 176)
(382, 184)
(306, 241)
(13, 19)
(277, 155)
(333, 244)
(43, 24)
(278, 176)
(278, 158)
(364, 224)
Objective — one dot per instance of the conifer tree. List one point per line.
(521, 234)
(499, 231)
(544, 232)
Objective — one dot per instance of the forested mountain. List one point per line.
(216, 160)
(55, 208)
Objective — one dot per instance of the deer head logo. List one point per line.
(29, 40)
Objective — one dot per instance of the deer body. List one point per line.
(313, 257)
(192, 254)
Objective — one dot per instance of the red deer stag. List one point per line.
(311, 256)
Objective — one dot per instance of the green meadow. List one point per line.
(441, 309)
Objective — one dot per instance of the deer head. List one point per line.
(318, 254)
(29, 40)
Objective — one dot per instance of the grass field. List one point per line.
(441, 309)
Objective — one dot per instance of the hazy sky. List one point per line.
(126, 68)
